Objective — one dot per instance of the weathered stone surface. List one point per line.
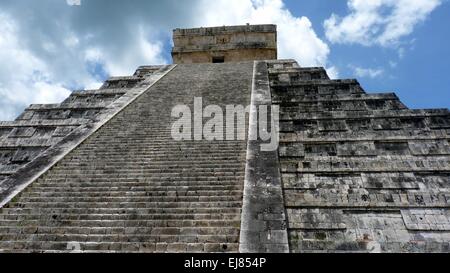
(354, 172)
(130, 187)
(263, 225)
(225, 44)
(361, 172)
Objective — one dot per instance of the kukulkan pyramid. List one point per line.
(101, 172)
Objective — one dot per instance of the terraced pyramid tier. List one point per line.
(361, 172)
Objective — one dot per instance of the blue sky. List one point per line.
(50, 47)
(420, 77)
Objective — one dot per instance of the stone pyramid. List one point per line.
(100, 172)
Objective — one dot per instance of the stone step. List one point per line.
(124, 190)
(161, 154)
(130, 199)
(163, 158)
(131, 231)
(106, 91)
(92, 247)
(118, 211)
(405, 113)
(152, 167)
(199, 146)
(370, 164)
(147, 178)
(316, 83)
(139, 156)
(279, 96)
(121, 223)
(62, 205)
(133, 194)
(109, 238)
(346, 107)
(122, 217)
(54, 183)
(146, 150)
(139, 182)
(67, 106)
(167, 168)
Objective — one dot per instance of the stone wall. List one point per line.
(361, 172)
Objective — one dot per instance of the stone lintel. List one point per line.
(203, 31)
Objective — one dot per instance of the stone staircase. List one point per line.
(131, 188)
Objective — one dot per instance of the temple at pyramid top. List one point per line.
(225, 44)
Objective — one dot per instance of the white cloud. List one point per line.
(24, 79)
(381, 22)
(140, 52)
(367, 72)
(73, 2)
(333, 72)
(61, 47)
(41, 61)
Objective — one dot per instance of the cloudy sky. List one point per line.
(50, 47)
